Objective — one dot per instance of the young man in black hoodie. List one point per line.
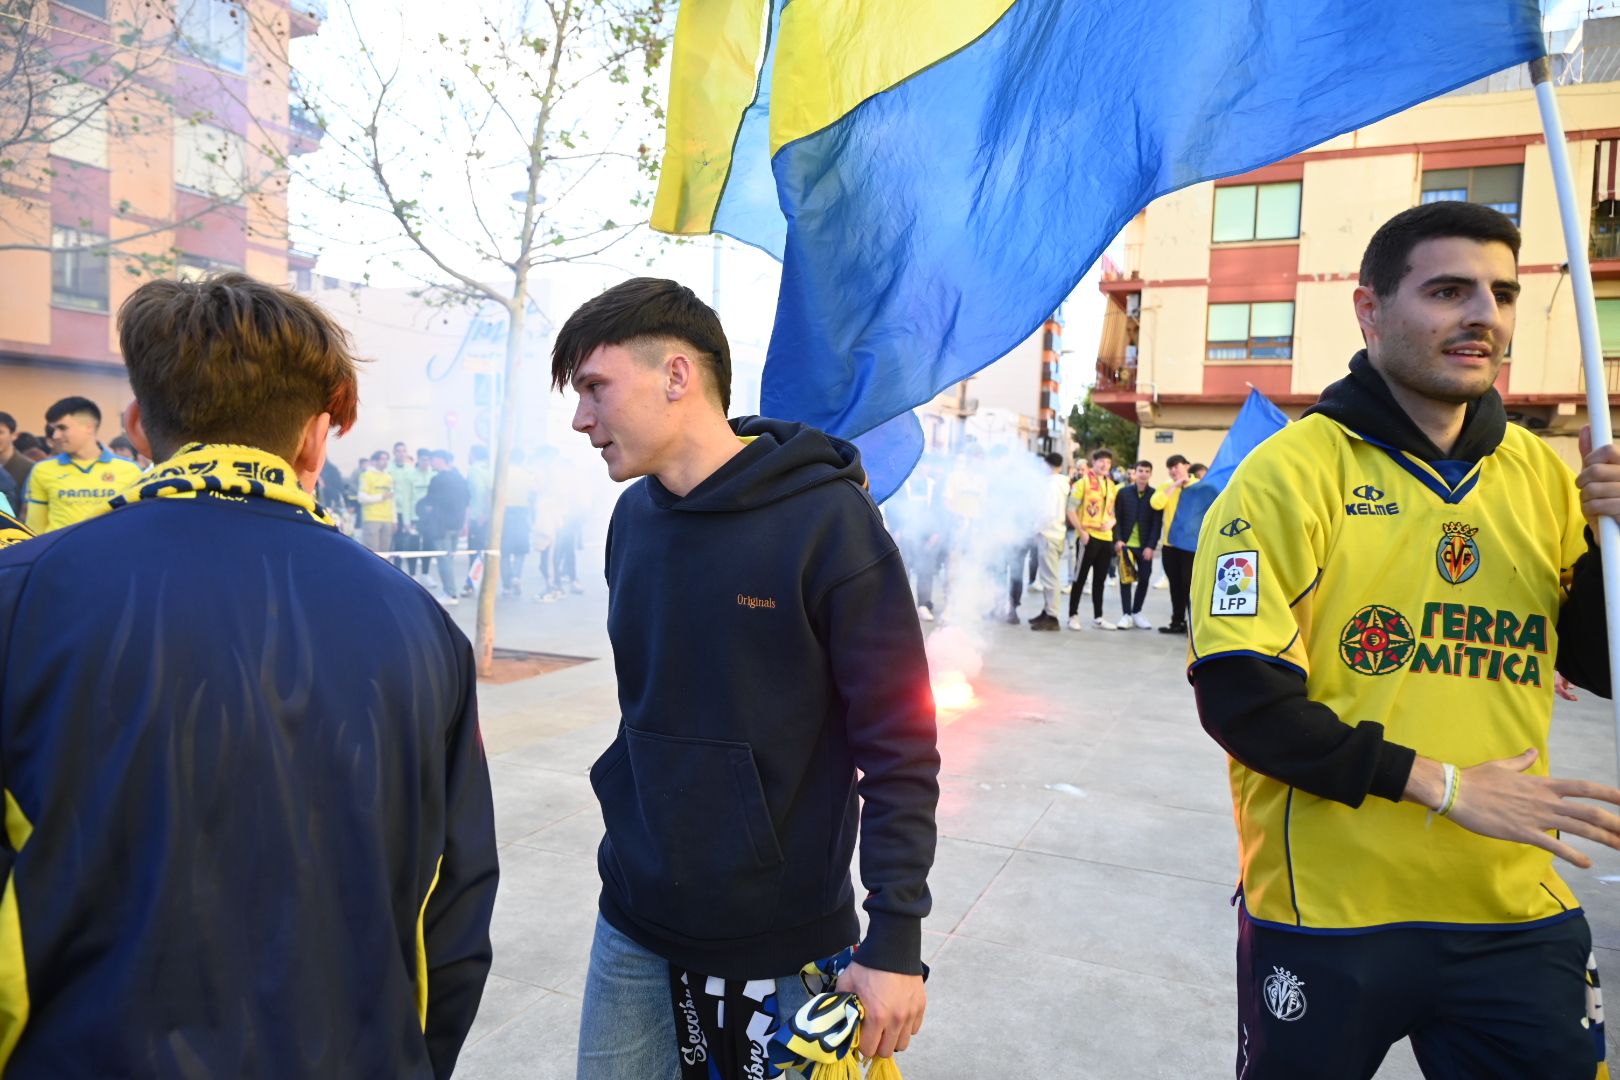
(767, 650)
(1379, 598)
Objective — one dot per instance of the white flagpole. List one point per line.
(1597, 393)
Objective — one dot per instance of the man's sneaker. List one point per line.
(1011, 618)
(1044, 621)
(925, 614)
(1174, 628)
(449, 601)
(1102, 624)
(1140, 622)
(1125, 622)
(1075, 623)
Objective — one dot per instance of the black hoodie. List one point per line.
(1260, 713)
(767, 647)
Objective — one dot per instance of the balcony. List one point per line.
(305, 128)
(1611, 375)
(306, 16)
(1116, 375)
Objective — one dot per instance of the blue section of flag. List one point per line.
(932, 227)
(748, 209)
(1256, 422)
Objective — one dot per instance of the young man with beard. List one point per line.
(247, 827)
(767, 651)
(1380, 599)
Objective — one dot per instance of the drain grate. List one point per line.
(513, 665)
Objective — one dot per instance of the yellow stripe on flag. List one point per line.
(714, 66)
(834, 54)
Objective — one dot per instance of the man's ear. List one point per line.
(1367, 312)
(311, 453)
(136, 431)
(680, 376)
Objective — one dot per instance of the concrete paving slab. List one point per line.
(538, 1043)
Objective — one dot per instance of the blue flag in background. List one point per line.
(1256, 422)
(948, 169)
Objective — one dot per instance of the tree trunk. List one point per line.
(516, 314)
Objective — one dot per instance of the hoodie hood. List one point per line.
(1362, 402)
(782, 458)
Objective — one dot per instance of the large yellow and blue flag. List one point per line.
(937, 175)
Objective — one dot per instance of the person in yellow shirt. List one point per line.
(1381, 596)
(1177, 563)
(376, 498)
(78, 482)
(1091, 512)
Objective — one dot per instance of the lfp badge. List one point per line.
(1237, 584)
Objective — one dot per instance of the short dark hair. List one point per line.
(68, 406)
(1384, 263)
(1053, 459)
(8, 422)
(444, 455)
(1175, 459)
(1102, 452)
(375, 454)
(1198, 467)
(422, 452)
(1144, 464)
(644, 309)
(233, 359)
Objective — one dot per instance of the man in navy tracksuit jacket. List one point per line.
(768, 651)
(248, 829)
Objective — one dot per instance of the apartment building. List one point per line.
(177, 166)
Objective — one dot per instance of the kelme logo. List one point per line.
(1234, 527)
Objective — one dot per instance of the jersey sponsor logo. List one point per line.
(1370, 503)
(1237, 584)
(1285, 994)
(1376, 641)
(1234, 527)
(1457, 557)
(1465, 640)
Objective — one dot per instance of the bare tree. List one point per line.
(74, 87)
(489, 159)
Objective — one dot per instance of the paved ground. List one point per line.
(1081, 922)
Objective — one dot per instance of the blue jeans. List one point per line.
(627, 1025)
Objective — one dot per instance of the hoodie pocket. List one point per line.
(692, 845)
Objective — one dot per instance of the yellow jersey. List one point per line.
(1168, 499)
(1427, 602)
(377, 482)
(1092, 500)
(63, 491)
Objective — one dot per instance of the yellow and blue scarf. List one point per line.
(223, 471)
(823, 1039)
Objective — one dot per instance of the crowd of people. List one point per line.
(1030, 526)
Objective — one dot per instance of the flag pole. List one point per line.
(1597, 395)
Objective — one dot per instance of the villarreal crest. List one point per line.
(1457, 557)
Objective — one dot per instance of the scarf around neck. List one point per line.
(223, 471)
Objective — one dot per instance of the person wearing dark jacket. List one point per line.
(1136, 537)
(248, 828)
(1380, 597)
(441, 516)
(775, 703)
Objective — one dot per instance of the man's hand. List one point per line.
(1599, 479)
(1119, 547)
(1500, 800)
(1147, 554)
(893, 1005)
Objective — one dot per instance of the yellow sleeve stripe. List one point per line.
(421, 948)
(713, 71)
(13, 963)
(834, 54)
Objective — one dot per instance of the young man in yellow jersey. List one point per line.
(1380, 599)
(376, 499)
(78, 481)
(1091, 512)
(1178, 564)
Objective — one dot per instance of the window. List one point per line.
(195, 267)
(98, 8)
(1609, 328)
(208, 159)
(215, 30)
(1251, 331)
(1257, 212)
(1496, 186)
(78, 116)
(78, 276)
